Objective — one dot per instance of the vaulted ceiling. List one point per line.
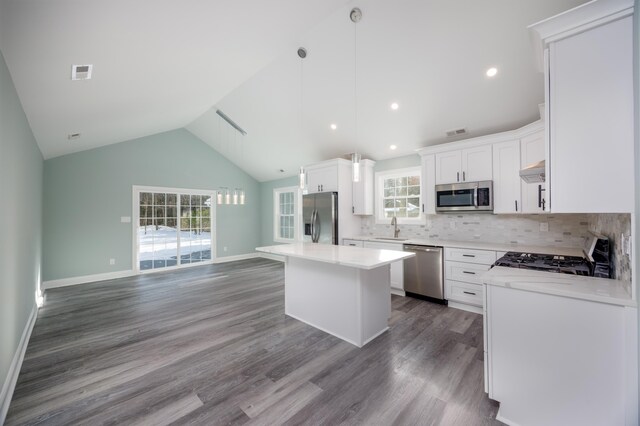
(161, 65)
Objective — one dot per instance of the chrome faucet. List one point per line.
(394, 223)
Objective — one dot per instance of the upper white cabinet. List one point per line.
(589, 74)
(533, 194)
(363, 195)
(506, 177)
(466, 165)
(428, 184)
(322, 178)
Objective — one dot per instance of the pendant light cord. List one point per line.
(355, 79)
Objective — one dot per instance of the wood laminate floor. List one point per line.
(211, 345)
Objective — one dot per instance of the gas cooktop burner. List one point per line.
(546, 262)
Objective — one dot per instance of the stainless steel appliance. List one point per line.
(546, 262)
(467, 196)
(424, 274)
(320, 217)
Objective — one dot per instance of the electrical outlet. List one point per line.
(452, 225)
(224, 248)
(544, 226)
(112, 261)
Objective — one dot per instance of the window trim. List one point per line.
(135, 194)
(297, 214)
(379, 195)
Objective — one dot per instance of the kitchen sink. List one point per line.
(390, 239)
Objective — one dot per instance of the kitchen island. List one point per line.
(344, 291)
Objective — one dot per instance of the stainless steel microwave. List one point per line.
(465, 196)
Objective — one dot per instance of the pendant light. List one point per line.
(355, 15)
(302, 53)
(219, 196)
(227, 196)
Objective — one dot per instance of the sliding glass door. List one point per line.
(174, 227)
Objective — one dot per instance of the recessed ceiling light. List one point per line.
(395, 106)
(491, 72)
(392, 147)
(333, 126)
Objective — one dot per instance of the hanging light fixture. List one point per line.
(227, 196)
(219, 196)
(235, 196)
(242, 197)
(355, 15)
(302, 53)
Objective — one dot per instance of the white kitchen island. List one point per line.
(342, 290)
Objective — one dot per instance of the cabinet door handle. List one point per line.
(458, 176)
(469, 292)
(353, 209)
(464, 176)
(540, 200)
(516, 205)
(422, 207)
(468, 255)
(352, 244)
(321, 187)
(468, 272)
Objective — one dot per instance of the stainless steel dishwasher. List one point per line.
(424, 273)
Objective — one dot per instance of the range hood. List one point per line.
(533, 173)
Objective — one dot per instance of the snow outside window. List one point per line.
(286, 203)
(398, 193)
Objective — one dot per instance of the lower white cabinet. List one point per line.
(352, 243)
(552, 360)
(463, 277)
(396, 269)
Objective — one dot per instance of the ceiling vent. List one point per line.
(73, 136)
(81, 72)
(456, 132)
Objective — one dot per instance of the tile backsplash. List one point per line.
(564, 230)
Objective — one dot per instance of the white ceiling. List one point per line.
(161, 65)
(158, 64)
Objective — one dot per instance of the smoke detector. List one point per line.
(456, 132)
(81, 72)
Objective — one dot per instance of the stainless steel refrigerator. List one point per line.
(320, 217)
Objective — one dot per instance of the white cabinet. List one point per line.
(466, 165)
(363, 195)
(533, 196)
(554, 360)
(506, 177)
(591, 119)
(396, 268)
(463, 272)
(428, 184)
(352, 243)
(335, 176)
(322, 178)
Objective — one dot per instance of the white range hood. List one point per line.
(534, 173)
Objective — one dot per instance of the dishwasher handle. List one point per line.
(428, 249)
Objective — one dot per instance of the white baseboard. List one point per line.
(398, 292)
(16, 363)
(272, 257)
(63, 282)
(237, 257)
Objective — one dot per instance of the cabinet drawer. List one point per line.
(353, 243)
(471, 294)
(466, 272)
(483, 257)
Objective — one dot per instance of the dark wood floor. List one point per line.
(211, 345)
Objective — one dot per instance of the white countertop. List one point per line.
(601, 290)
(355, 257)
(560, 251)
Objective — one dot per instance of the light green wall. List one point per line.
(20, 218)
(86, 193)
(266, 207)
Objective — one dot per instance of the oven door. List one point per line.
(468, 196)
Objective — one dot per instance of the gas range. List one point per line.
(546, 262)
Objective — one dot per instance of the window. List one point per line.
(173, 227)
(398, 193)
(286, 212)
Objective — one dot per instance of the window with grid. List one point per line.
(173, 227)
(398, 193)
(285, 201)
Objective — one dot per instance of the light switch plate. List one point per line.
(125, 219)
(544, 226)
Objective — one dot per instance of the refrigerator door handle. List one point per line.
(316, 227)
(313, 222)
